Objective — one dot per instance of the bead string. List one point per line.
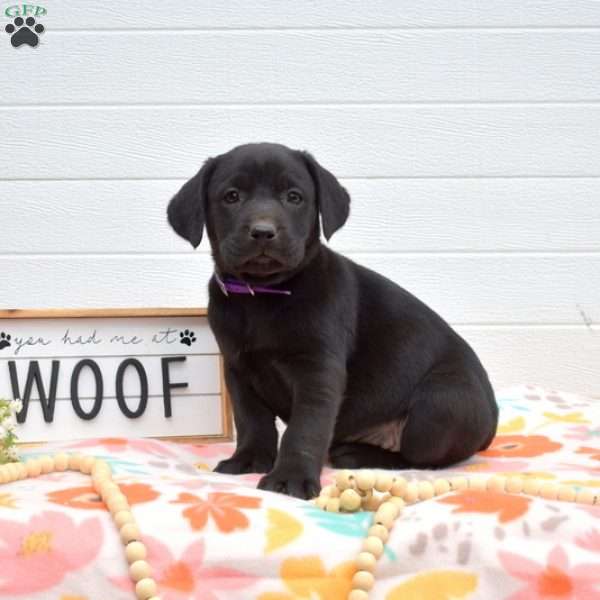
(116, 502)
(353, 491)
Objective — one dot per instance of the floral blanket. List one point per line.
(215, 537)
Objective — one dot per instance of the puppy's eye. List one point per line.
(232, 196)
(294, 197)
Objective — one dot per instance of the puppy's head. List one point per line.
(260, 204)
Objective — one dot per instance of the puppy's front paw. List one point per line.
(245, 463)
(293, 482)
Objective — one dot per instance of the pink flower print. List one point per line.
(590, 541)
(210, 450)
(556, 579)
(37, 555)
(188, 577)
(583, 433)
(153, 447)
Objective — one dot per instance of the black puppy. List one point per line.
(359, 369)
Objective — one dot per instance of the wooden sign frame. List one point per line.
(100, 313)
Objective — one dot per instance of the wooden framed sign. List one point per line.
(114, 373)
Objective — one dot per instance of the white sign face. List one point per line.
(113, 377)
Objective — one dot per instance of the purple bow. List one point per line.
(234, 286)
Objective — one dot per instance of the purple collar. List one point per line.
(235, 286)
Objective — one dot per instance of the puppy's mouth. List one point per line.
(261, 266)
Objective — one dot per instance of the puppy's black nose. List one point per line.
(262, 230)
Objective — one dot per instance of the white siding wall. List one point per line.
(468, 133)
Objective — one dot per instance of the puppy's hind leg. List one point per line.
(452, 417)
(355, 455)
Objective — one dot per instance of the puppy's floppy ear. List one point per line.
(186, 209)
(333, 199)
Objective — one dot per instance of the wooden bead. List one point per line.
(373, 545)
(61, 461)
(33, 466)
(107, 489)
(321, 502)
(441, 486)
(585, 497)
(145, 588)
(3, 475)
(332, 505)
(117, 504)
(383, 482)
(135, 551)
(363, 580)
(497, 483)
(46, 464)
(398, 487)
(123, 517)
(11, 472)
(371, 502)
(331, 491)
(75, 461)
(531, 486)
(514, 485)
(390, 507)
(87, 464)
(365, 561)
(566, 493)
(458, 483)
(129, 533)
(350, 501)
(398, 502)
(385, 516)
(365, 480)
(426, 491)
(411, 492)
(140, 569)
(344, 479)
(478, 483)
(380, 531)
(21, 471)
(549, 491)
(358, 595)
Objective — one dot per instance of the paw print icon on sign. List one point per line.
(4, 340)
(24, 32)
(187, 337)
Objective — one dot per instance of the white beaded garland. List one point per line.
(363, 580)
(145, 588)
(101, 475)
(365, 561)
(129, 533)
(356, 492)
(122, 518)
(61, 461)
(140, 569)
(135, 551)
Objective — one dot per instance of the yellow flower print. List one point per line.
(306, 577)
(513, 426)
(436, 585)
(282, 529)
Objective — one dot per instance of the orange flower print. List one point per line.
(507, 506)
(87, 498)
(306, 577)
(593, 452)
(522, 446)
(223, 508)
